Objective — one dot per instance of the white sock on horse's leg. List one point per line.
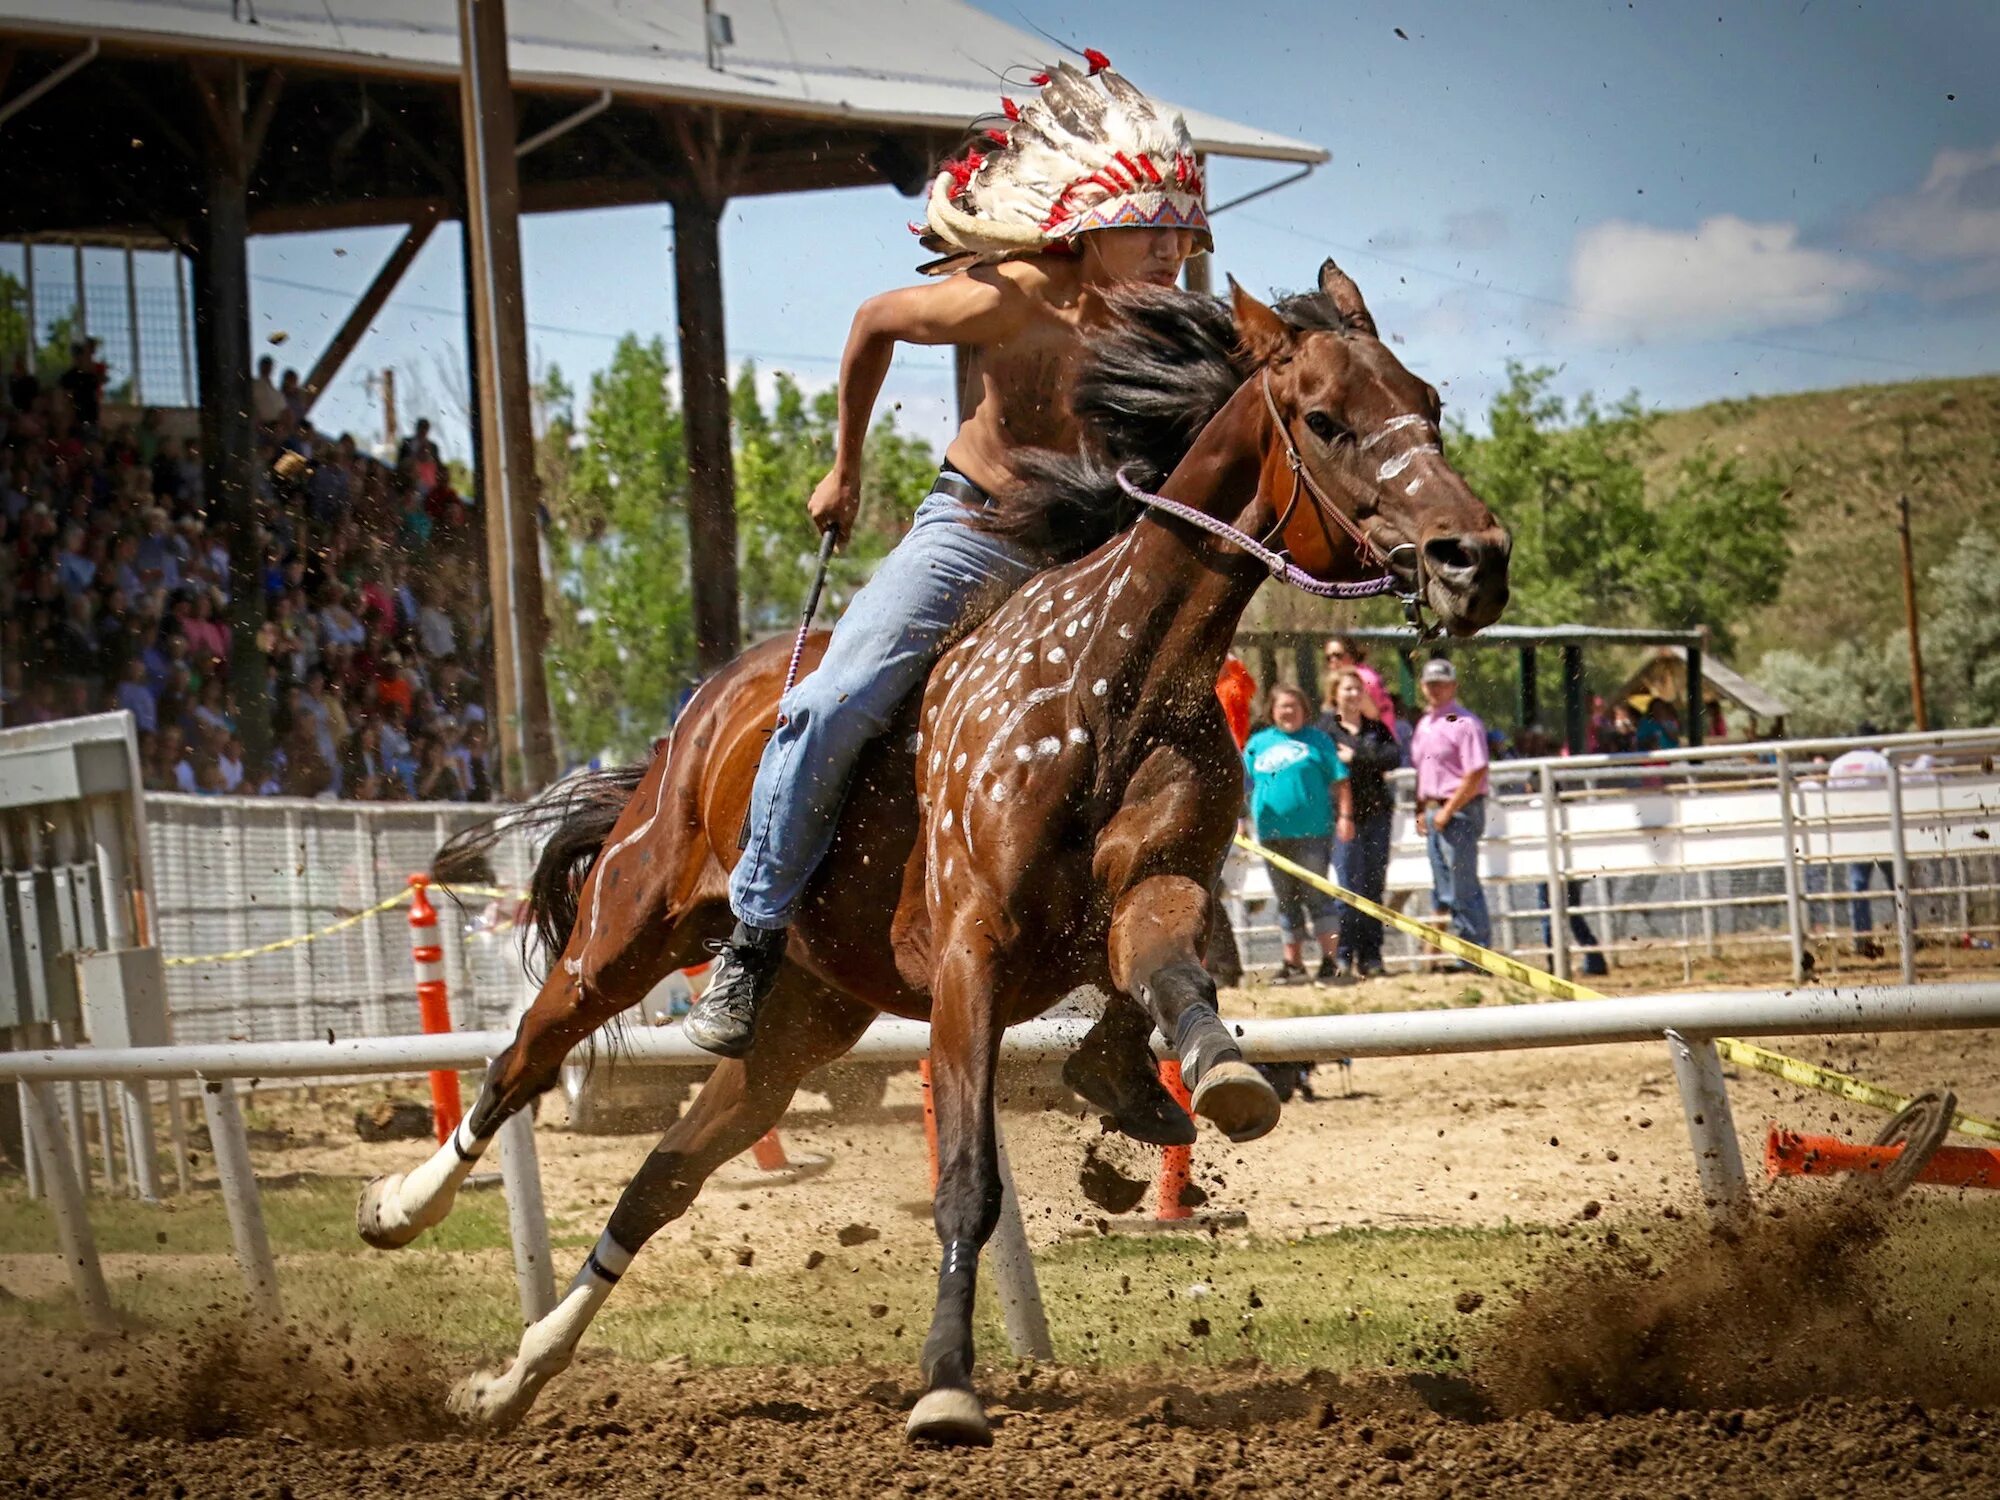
(547, 1346)
(396, 1209)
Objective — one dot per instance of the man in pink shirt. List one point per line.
(1449, 754)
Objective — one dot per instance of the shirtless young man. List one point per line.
(1091, 186)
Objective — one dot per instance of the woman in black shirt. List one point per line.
(1361, 863)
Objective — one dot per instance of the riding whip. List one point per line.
(828, 539)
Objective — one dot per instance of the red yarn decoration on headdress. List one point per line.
(1039, 80)
(997, 137)
(1097, 60)
(1009, 108)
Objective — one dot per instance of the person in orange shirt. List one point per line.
(1238, 690)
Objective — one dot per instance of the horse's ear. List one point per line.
(1261, 332)
(1339, 288)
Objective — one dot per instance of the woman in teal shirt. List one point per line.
(1299, 801)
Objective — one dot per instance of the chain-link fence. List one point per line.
(232, 876)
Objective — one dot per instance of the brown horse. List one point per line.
(1074, 788)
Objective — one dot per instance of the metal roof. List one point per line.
(910, 63)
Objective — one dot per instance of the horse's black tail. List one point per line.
(576, 817)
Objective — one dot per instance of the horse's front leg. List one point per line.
(1158, 929)
(966, 1010)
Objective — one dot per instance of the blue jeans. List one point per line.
(1594, 962)
(1301, 906)
(943, 573)
(1860, 875)
(1362, 866)
(1455, 871)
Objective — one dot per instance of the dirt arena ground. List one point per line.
(1568, 1327)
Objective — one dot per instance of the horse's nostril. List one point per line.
(1453, 554)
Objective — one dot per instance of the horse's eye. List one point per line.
(1323, 427)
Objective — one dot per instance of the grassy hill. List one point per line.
(1842, 453)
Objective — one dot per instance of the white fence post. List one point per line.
(230, 1145)
(1014, 1277)
(527, 1219)
(1718, 1162)
(1788, 836)
(1906, 936)
(1558, 902)
(141, 1145)
(79, 1245)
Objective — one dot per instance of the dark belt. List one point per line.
(951, 482)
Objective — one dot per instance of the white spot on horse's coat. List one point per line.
(1391, 467)
(1024, 657)
(1068, 594)
(1394, 424)
(1099, 688)
(1022, 752)
(1124, 632)
(950, 670)
(947, 820)
(949, 866)
(1012, 678)
(998, 791)
(1414, 485)
(1056, 655)
(1070, 629)
(1078, 734)
(985, 713)
(1087, 618)
(1047, 745)
(937, 759)
(916, 742)
(958, 763)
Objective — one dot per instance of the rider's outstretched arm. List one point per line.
(978, 307)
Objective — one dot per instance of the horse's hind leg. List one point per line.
(806, 1025)
(642, 914)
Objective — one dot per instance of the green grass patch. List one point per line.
(313, 1214)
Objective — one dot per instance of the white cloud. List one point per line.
(1951, 224)
(1727, 276)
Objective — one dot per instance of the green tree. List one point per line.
(1593, 546)
(52, 354)
(615, 490)
(1851, 684)
(1962, 636)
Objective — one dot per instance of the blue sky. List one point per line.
(1690, 201)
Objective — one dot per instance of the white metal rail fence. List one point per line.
(236, 876)
(1697, 853)
(1687, 1023)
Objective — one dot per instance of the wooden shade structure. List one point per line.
(207, 121)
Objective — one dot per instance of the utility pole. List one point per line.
(390, 434)
(1910, 593)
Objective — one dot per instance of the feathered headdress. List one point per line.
(1077, 157)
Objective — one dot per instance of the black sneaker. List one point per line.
(1373, 971)
(1330, 972)
(1289, 973)
(724, 1020)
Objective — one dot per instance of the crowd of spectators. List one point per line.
(115, 594)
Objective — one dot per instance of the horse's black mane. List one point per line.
(1152, 379)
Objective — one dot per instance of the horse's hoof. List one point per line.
(378, 1218)
(1238, 1100)
(949, 1416)
(1141, 1108)
(486, 1400)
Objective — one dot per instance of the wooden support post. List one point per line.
(132, 325)
(1696, 729)
(228, 431)
(364, 312)
(1575, 728)
(705, 403)
(507, 454)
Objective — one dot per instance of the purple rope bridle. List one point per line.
(1282, 568)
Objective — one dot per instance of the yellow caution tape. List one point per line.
(1792, 1069)
(387, 903)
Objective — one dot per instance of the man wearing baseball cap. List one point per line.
(1449, 754)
